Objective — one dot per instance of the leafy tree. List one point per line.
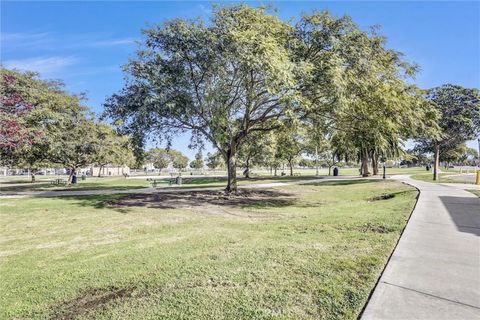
(289, 146)
(111, 148)
(40, 107)
(222, 82)
(213, 160)
(304, 162)
(364, 98)
(460, 120)
(179, 160)
(198, 162)
(75, 146)
(254, 151)
(14, 110)
(160, 158)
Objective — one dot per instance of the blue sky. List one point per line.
(86, 43)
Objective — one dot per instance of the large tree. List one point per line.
(179, 160)
(111, 148)
(197, 163)
(460, 120)
(40, 111)
(222, 81)
(365, 99)
(160, 158)
(76, 144)
(14, 113)
(213, 160)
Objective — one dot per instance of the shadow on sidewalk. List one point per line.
(465, 213)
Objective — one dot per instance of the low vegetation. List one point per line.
(311, 251)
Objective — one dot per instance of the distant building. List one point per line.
(108, 170)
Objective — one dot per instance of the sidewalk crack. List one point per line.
(431, 295)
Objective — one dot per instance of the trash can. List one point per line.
(84, 177)
(335, 171)
(74, 179)
(178, 180)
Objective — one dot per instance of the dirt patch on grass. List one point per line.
(201, 200)
(89, 300)
(369, 227)
(383, 196)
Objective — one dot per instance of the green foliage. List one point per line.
(459, 110)
(198, 162)
(179, 160)
(214, 160)
(246, 73)
(65, 133)
(112, 148)
(223, 81)
(160, 158)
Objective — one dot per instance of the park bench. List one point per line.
(58, 181)
(156, 182)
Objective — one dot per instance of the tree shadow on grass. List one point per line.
(340, 182)
(245, 198)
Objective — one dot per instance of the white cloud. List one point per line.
(43, 65)
(112, 42)
(205, 11)
(48, 40)
(20, 39)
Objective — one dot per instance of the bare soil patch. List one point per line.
(179, 200)
(89, 300)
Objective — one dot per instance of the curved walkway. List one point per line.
(434, 272)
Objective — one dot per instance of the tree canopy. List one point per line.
(42, 124)
(246, 72)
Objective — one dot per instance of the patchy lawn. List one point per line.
(297, 252)
(442, 178)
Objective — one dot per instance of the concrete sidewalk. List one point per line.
(434, 272)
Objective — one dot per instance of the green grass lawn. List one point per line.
(89, 184)
(16, 184)
(122, 183)
(442, 178)
(297, 252)
(475, 192)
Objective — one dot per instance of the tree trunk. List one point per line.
(275, 171)
(316, 160)
(329, 170)
(231, 170)
(365, 172)
(436, 162)
(33, 177)
(374, 163)
(100, 171)
(290, 164)
(72, 171)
